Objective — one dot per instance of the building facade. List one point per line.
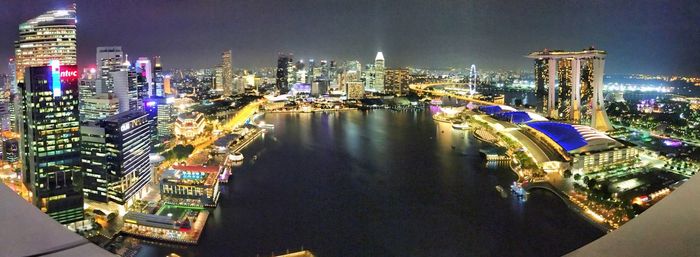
(50, 140)
(191, 185)
(396, 81)
(98, 107)
(189, 125)
(50, 36)
(227, 73)
(115, 159)
(283, 63)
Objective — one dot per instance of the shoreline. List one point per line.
(312, 111)
(552, 189)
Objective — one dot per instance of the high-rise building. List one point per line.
(12, 78)
(50, 36)
(47, 37)
(98, 107)
(378, 85)
(50, 140)
(354, 90)
(541, 77)
(120, 81)
(11, 94)
(115, 160)
(396, 81)
(283, 63)
(167, 87)
(218, 79)
(161, 115)
(575, 70)
(227, 73)
(564, 89)
(145, 70)
(158, 77)
(109, 59)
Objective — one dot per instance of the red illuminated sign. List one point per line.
(69, 73)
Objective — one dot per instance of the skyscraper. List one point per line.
(50, 36)
(575, 70)
(378, 85)
(115, 157)
(120, 81)
(47, 37)
(98, 107)
(283, 63)
(541, 77)
(227, 73)
(50, 140)
(161, 116)
(158, 77)
(108, 59)
(564, 70)
(396, 81)
(13, 101)
(144, 68)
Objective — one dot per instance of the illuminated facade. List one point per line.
(396, 81)
(114, 154)
(378, 84)
(50, 140)
(13, 100)
(218, 79)
(541, 77)
(158, 77)
(227, 73)
(191, 185)
(575, 71)
(50, 36)
(108, 59)
(144, 68)
(98, 107)
(563, 98)
(189, 125)
(584, 148)
(161, 116)
(354, 90)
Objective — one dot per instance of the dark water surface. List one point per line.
(377, 183)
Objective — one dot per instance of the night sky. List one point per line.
(659, 37)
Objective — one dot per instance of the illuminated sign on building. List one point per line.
(61, 73)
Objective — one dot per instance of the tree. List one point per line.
(577, 176)
(182, 151)
(567, 173)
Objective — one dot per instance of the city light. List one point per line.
(354, 131)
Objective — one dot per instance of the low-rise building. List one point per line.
(189, 125)
(191, 185)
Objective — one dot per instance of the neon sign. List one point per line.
(56, 78)
(69, 74)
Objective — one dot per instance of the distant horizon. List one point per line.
(652, 38)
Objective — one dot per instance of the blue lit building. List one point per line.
(161, 116)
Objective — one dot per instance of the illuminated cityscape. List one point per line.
(346, 128)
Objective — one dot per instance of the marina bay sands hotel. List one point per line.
(578, 97)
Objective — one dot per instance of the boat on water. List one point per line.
(517, 189)
(502, 191)
(236, 157)
(460, 126)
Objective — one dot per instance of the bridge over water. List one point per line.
(426, 89)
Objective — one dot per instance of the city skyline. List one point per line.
(436, 35)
